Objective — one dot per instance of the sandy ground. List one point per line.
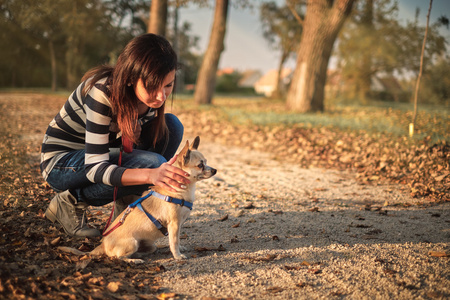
(265, 229)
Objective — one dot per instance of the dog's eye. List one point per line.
(201, 166)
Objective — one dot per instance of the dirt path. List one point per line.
(264, 229)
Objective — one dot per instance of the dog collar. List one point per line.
(180, 202)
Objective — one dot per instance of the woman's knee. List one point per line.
(143, 159)
(174, 125)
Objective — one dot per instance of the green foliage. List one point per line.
(280, 28)
(228, 83)
(74, 34)
(375, 42)
(435, 84)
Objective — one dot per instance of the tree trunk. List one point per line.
(323, 21)
(206, 79)
(179, 82)
(53, 64)
(158, 17)
(280, 90)
(72, 50)
(365, 65)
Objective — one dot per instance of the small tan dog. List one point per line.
(168, 210)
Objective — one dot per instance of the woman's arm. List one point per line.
(165, 176)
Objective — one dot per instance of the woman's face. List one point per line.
(157, 98)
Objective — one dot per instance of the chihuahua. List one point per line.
(156, 214)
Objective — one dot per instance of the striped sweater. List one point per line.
(85, 122)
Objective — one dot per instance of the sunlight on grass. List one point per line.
(378, 117)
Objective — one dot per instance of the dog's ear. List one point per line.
(195, 143)
(183, 156)
(187, 156)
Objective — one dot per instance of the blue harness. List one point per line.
(157, 223)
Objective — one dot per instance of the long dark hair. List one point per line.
(148, 57)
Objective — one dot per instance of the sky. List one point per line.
(246, 48)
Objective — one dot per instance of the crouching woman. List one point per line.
(81, 148)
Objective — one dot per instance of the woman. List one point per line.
(81, 148)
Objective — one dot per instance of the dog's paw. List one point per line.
(153, 249)
(136, 261)
(184, 249)
(180, 257)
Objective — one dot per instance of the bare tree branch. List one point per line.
(294, 12)
(421, 65)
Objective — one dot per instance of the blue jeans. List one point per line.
(69, 172)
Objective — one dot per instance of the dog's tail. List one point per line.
(72, 250)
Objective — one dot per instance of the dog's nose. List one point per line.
(213, 171)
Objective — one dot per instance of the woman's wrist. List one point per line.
(137, 177)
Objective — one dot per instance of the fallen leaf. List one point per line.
(202, 249)
(266, 258)
(301, 284)
(56, 241)
(205, 249)
(160, 268)
(438, 254)
(249, 206)
(236, 225)
(380, 260)
(224, 218)
(221, 248)
(362, 226)
(440, 178)
(275, 289)
(82, 264)
(389, 271)
(374, 231)
(113, 287)
(164, 296)
(292, 268)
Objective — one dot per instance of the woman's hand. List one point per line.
(170, 177)
(165, 176)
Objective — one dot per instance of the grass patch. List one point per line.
(374, 118)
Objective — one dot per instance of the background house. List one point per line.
(249, 78)
(267, 84)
